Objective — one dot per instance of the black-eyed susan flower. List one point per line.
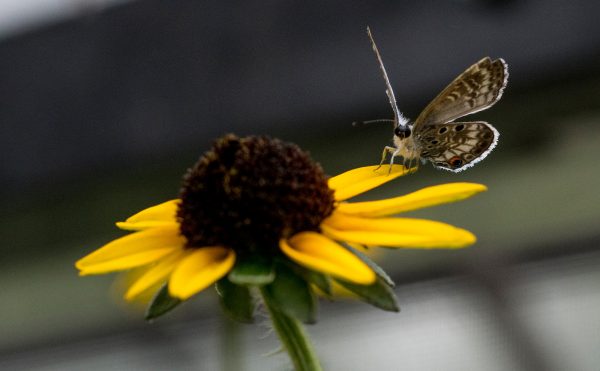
(257, 212)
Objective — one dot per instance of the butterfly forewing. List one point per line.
(456, 146)
(476, 89)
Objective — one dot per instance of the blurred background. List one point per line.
(104, 104)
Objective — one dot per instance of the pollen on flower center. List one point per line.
(248, 193)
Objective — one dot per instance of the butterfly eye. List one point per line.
(402, 132)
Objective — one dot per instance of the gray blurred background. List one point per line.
(104, 104)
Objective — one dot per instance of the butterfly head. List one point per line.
(404, 142)
(402, 131)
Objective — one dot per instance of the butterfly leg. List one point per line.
(394, 151)
(417, 164)
(411, 164)
(386, 149)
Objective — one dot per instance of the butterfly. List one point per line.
(434, 136)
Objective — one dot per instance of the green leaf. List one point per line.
(236, 300)
(376, 268)
(379, 294)
(291, 294)
(252, 270)
(161, 304)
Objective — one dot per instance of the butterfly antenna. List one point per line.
(399, 119)
(356, 123)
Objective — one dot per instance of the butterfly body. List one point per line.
(435, 136)
(405, 144)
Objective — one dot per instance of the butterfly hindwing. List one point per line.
(456, 146)
(476, 89)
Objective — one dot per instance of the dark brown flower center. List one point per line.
(248, 193)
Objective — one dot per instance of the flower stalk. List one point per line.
(293, 337)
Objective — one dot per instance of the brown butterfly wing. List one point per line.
(456, 146)
(476, 89)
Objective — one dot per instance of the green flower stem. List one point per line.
(231, 347)
(294, 338)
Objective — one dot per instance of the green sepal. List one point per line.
(318, 279)
(291, 294)
(252, 270)
(161, 304)
(376, 268)
(379, 294)
(236, 300)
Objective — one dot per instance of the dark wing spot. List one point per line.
(459, 127)
(442, 130)
(435, 141)
(487, 135)
(455, 161)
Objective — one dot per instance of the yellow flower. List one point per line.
(260, 196)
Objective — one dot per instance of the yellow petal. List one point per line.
(155, 274)
(200, 269)
(344, 222)
(126, 278)
(156, 216)
(396, 232)
(425, 197)
(133, 250)
(319, 253)
(357, 181)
